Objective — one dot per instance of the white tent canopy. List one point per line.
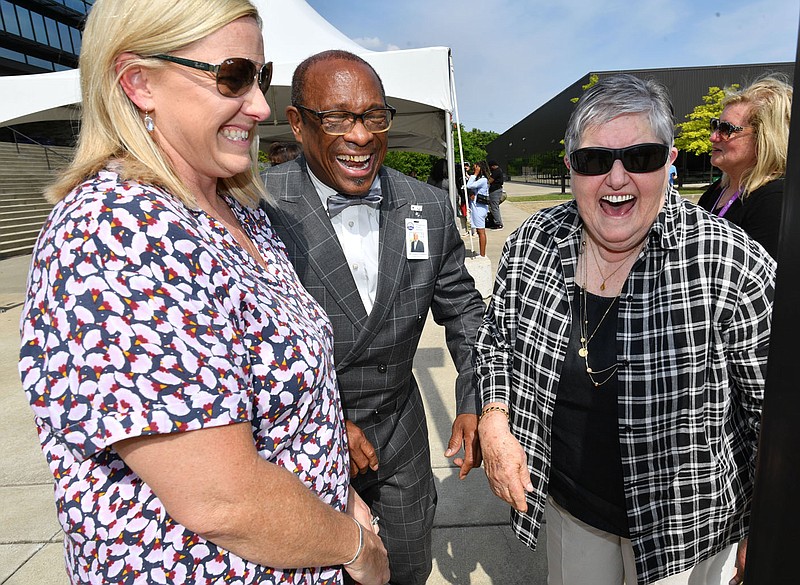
(417, 81)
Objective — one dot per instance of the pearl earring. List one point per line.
(149, 125)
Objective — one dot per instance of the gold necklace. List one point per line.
(597, 263)
(583, 351)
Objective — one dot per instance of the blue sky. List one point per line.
(512, 56)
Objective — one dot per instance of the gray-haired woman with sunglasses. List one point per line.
(181, 377)
(621, 362)
(749, 144)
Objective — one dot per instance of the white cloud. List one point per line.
(372, 43)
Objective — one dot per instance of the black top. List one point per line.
(497, 179)
(586, 478)
(759, 214)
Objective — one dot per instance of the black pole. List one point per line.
(775, 523)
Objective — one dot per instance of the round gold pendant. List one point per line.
(583, 352)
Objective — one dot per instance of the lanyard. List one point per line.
(727, 206)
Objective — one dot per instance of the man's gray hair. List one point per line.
(617, 95)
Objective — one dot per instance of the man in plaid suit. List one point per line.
(345, 221)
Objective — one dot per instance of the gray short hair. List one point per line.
(617, 95)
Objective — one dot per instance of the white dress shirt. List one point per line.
(358, 230)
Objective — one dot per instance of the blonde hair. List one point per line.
(112, 126)
(770, 105)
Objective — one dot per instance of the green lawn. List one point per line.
(545, 197)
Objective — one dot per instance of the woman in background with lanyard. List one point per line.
(749, 142)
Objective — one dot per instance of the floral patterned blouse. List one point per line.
(145, 317)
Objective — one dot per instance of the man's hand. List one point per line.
(465, 433)
(362, 453)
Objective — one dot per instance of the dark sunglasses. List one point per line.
(724, 128)
(234, 76)
(639, 158)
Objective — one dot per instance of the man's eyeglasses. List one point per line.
(340, 122)
(724, 128)
(234, 76)
(639, 158)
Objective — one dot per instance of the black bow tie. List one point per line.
(337, 202)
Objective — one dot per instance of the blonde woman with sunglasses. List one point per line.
(181, 378)
(621, 362)
(749, 144)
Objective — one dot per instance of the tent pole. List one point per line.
(448, 125)
(460, 150)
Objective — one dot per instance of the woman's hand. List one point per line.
(372, 565)
(358, 509)
(504, 460)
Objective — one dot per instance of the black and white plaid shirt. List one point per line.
(692, 343)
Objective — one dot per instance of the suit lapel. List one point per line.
(306, 221)
(394, 210)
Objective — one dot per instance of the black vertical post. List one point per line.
(775, 524)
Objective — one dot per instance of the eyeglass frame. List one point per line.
(201, 66)
(353, 118)
(617, 154)
(734, 129)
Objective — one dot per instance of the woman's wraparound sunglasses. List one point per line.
(234, 76)
(639, 158)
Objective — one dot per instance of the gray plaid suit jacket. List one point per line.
(374, 353)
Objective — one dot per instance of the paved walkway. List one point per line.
(472, 543)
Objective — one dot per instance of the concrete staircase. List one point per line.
(25, 170)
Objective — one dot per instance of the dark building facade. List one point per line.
(40, 36)
(533, 146)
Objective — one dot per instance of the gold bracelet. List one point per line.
(360, 543)
(489, 409)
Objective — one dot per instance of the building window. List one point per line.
(12, 55)
(40, 63)
(75, 35)
(52, 33)
(39, 30)
(25, 24)
(10, 23)
(65, 32)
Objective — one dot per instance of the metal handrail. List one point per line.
(30, 140)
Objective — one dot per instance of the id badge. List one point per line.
(416, 238)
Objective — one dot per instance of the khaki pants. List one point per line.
(578, 554)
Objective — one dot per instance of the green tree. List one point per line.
(593, 78)
(693, 136)
(474, 143)
(410, 163)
